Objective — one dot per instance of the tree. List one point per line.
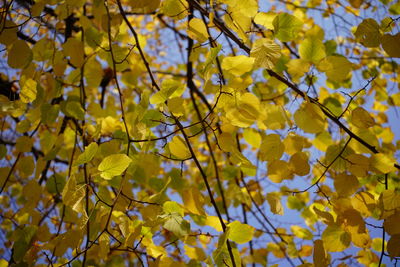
(160, 132)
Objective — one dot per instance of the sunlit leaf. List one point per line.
(178, 148)
(361, 118)
(265, 52)
(310, 112)
(114, 165)
(312, 49)
(240, 233)
(197, 30)
(286, 27)
(238, 65)
(335, 238)
(87, 155)
(274, 201)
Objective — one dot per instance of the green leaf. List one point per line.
(3, 151)
(170, 207)
(240, 233)
(87, 155)
(75, 110)
(286, 27)
(176, 224)
(176, 9)
(55, 184)
(114, 165)
(169, 88)
(312, 49)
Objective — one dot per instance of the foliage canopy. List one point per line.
(186, 132)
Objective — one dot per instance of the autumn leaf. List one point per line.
(114, 165)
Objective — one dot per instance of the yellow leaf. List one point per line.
(364, 202)
(322, 141)
(245, 112)
(226, 142)
(28, 91)
(337, 68)
(178, 148)
(176, 9)
(265, 19)
(389, 202)
(20, 55)
(87, 155)
(240, 233)
(312, 49)
(345, 184)
(286, 27)
(298, 67)
(299, 163)
(358, 164)
(114, 165)
(252, 137)
(246, 8)
(274, 201)
(144, 6)
(175, 105)
(198, 30)
(193, 201)
(278, 170)
(276, 117)
(293, 143)
(310, 113)
(382, 163)
(271, 148)
(73, 194)
(335, 238)
(361, 118)
(301, 232)
(361, 240)
(214, 222)
(326, 217)
(237, 65)
(266, 53)
(195, 253)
